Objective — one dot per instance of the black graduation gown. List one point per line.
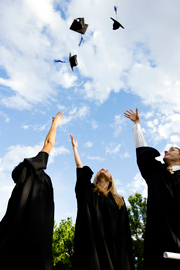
(27, 227)
(102, 232)
(163, 211)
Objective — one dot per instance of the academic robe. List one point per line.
(163, 211)
(27, 227)
(102, 232)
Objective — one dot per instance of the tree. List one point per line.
(137, 221)
(63, 245)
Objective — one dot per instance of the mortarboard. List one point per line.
(116, 24)
(73, 60)
(79, 26)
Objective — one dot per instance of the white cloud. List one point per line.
(118, 124)
(170, 126)
(35, 127)
(88, 144)
(126, 155)
(175, 139)
(94, 124)
(163, 127)
(97, 158)
(61, 107)
(40, 127)
(57, 151)
(25, 127)
(27, 42)
(131, 59)
(121, 189)
(16, 102)
(95, 91)
(147, 114)
(76, 113)
(6, 118)
(138, 185)
(113, 149)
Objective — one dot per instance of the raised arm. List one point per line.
(145, 155)
(76, 154)
(138, 137)
(50, 138)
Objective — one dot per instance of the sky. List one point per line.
(117, 70)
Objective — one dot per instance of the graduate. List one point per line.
(102, 232)
(27, 227)
(163, 204)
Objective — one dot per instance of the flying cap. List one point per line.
(116, 24)
(73, 60)
(79, 26)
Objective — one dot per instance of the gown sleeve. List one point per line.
(138, 136)
(83, 181)
(146, 161)
(36, 164)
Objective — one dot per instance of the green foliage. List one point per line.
(63, 245)
(137, 221)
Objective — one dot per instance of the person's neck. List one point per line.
(173, 164)
(103, 183)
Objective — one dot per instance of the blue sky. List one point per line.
(117, 70)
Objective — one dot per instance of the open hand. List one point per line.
(133, 116)
(58, 118)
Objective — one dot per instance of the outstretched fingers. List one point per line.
(58, 118)
(129, 113)
(60, 115)
(133, 116)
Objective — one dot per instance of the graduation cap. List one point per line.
(79, 26)
(73, 60)
(116, 24)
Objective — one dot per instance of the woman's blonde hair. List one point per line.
(112, 188)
